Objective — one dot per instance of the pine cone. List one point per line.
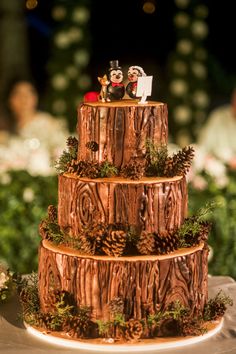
(179, 164)
(116, 305)
(92, 145)
(169, 327)
(43, 230)
(72, 142)
(134, 330)
(168, 167)
(86, 246)
(146, 243)
(114, 243)
(88, 169)
(217, 310)
(165, 245)
(75, 327)
(134, 170)
(191, 326)
(193, 239)
(95, 234)
(52, 213)
(204, 230)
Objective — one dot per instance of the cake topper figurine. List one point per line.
(133, 73)
(103, 93)
(116, 88)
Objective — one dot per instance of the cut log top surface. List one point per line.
(72, 252)
(123, 103)
(121, 180)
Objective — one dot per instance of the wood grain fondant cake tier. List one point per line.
(150, 204)
(120, 129)
(146, 283)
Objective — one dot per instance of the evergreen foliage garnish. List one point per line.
(61, 165)
(28, 292)
(107, 170)
(156, 156)
(162, 165)
(104, 328)
(51, 231)
(216, 307)
(91, 169)
(195, 228)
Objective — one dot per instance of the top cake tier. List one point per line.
(119, 130)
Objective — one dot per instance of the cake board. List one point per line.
(99, 345)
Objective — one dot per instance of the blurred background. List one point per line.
(63, 45)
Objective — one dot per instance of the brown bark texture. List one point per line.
(157, 206)
(146, 286)
(120, 131)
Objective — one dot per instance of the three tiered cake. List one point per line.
(120, 259)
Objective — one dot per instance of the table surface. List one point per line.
(15, 339)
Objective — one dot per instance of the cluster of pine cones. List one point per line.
(152, 243)
(103, 239)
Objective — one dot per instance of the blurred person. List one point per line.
(35, 138)
(217, 138)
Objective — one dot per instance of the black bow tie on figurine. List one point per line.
(116, 88)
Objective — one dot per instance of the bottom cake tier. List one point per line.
(146, 285)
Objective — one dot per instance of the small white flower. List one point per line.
(62, 40)
(180, 67)
(200, 99)
(28, 195)
(201, 11)
(80, 15)
(81, 57)
(184, 46)
(182, 3)
(182, 114)
(181, 20)
(199, 70)
(59, 106)
(60, 82)
(71, 71)
(32, 144)
(58, 13)
(178, 87)
(84, 81)
(199, 29)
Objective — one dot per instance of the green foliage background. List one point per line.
(19, 238)
(222, 238)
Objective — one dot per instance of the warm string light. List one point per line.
(149, 6)
(31, 4)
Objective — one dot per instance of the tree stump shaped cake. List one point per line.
(120, 258)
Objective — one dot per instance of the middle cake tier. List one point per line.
(151, 204)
